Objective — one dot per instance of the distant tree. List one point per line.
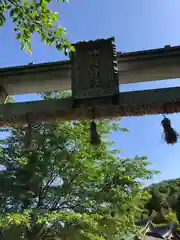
(67, 188)
(35, 17)
(165, 199)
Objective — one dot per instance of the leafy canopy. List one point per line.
(35, 17)
(164, 203)
(66, 188)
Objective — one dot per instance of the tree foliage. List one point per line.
(164, 202)
(31, 17)
(67, 188)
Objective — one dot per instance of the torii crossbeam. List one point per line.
(142, 66)
(137, 103)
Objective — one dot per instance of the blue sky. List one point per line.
(137, 25)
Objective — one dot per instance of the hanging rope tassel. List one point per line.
(171, 136)
(28, 136)
(95, 138)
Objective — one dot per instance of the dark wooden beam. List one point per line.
(141, 66)
(138, 103)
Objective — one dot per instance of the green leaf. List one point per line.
(25, 3)
(59, 32)
(2, 20)
(12, 12)
(72, 48)
(55, 16)
(29, 48)
(18, 36)
(15, 19)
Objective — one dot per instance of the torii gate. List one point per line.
(96, 88)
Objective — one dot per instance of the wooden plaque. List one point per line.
(94, 69)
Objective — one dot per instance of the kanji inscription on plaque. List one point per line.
(94, 69)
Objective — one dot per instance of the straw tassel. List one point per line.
(95, 138)
(28, 136)
(171, 136)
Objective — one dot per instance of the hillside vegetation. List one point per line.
(164, 200)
